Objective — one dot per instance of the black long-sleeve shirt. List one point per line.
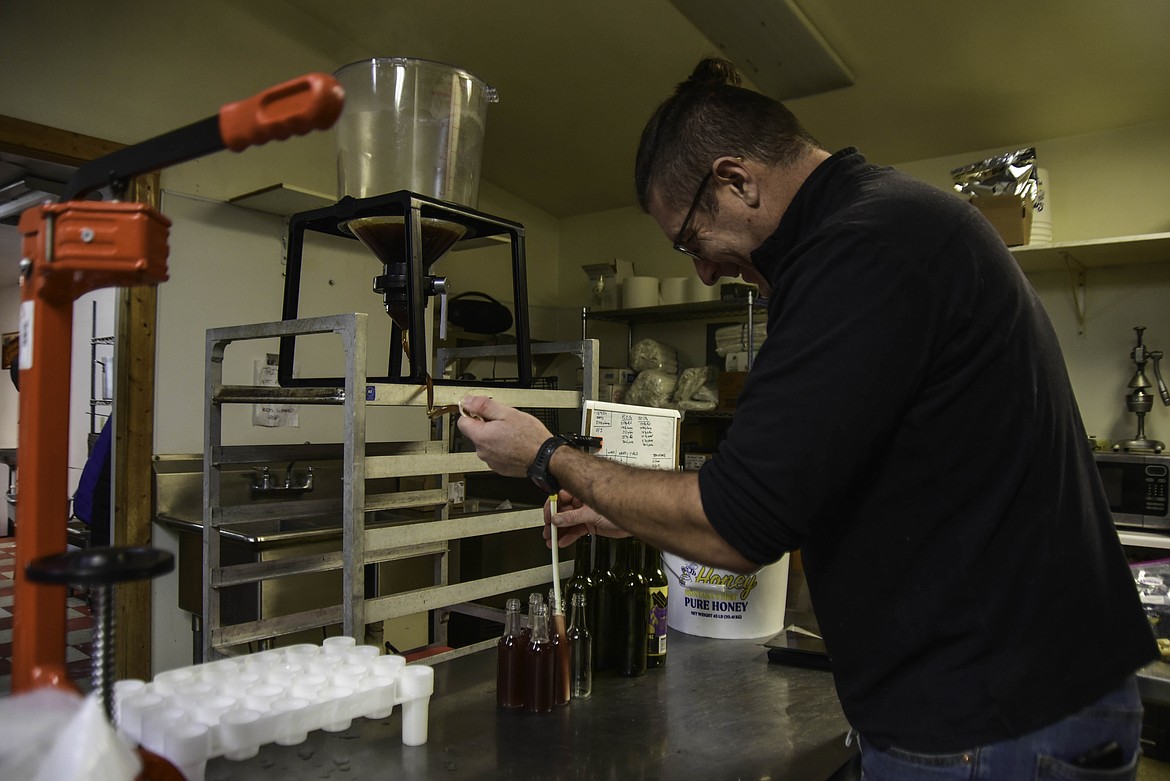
(909, 424)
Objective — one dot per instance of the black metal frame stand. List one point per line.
(413, 208)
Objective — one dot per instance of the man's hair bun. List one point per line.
(711, 72)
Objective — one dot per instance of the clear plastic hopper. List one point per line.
(416, 125)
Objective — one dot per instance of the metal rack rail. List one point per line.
(359, 462)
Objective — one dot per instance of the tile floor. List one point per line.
(78, 627)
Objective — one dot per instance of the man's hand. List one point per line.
(660, 507)
(505, 438)
(575, 519)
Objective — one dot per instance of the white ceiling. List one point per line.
(577, 81)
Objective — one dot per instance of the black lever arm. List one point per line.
(309, 102)
(1165, 394)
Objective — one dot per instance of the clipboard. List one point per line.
(648, 437)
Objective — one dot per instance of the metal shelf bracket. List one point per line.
(1076, 277)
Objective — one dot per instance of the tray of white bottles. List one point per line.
(231, 707)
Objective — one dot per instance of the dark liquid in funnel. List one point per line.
(386, 237)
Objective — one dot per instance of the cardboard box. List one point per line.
(1011, 215)
(735, 292)
(730, 385)
(607, 375)
(613, 392)
(693, 462)
(736, 362)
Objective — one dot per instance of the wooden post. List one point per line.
(134, 391)
(133, 453)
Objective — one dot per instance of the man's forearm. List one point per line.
(659, 507)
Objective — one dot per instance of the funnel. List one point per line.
(415, 125)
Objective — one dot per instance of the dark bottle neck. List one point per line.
(601, 562)
(653, 562)
(581, 555)
(632, 555)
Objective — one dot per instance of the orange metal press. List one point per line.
(71, 248)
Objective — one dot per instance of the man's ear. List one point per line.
(737, 176)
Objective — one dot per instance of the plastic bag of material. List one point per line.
(649, 354)
(51, 735)
(652, 388)
(734, 338)
(1012, 173)
(697, 389)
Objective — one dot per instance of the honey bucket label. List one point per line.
(711, 602)
(713, 593)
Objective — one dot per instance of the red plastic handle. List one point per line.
(310, 102)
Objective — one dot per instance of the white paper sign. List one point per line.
(26, 334)
(272, 415)
(639, 436)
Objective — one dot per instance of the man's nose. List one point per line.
(707, 271)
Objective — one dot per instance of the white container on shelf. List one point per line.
(1042, 211)
(697, 291)
(673, 290)
(639, 292)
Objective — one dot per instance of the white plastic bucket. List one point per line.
(711, 602)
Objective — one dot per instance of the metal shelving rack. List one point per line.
(359, 545)
(701, 310)
(95, 400)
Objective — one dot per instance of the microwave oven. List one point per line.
(1136, 486)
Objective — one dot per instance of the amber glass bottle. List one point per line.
(510, 659)
(538, 689)
(559, 639)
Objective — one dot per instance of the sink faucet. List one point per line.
(263, 482)
(304, 485)
(261, 479)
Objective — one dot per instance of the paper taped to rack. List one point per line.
(638, 436)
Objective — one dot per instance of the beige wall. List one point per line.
(1103, 184)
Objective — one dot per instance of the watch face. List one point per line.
(541, 482)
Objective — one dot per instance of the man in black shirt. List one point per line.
(909, 425)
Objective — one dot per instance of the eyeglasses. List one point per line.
(682, 231)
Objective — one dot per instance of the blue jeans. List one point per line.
(1046, 754)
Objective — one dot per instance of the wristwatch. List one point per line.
(538, 469)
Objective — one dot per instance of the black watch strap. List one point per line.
(538, 470)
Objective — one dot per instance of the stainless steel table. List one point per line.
(1154, 683)
(718, 710)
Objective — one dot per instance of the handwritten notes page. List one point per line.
(639, 436)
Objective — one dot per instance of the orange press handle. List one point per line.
(310, 102)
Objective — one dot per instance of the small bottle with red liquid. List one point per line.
(538, 689)
(510, 653)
